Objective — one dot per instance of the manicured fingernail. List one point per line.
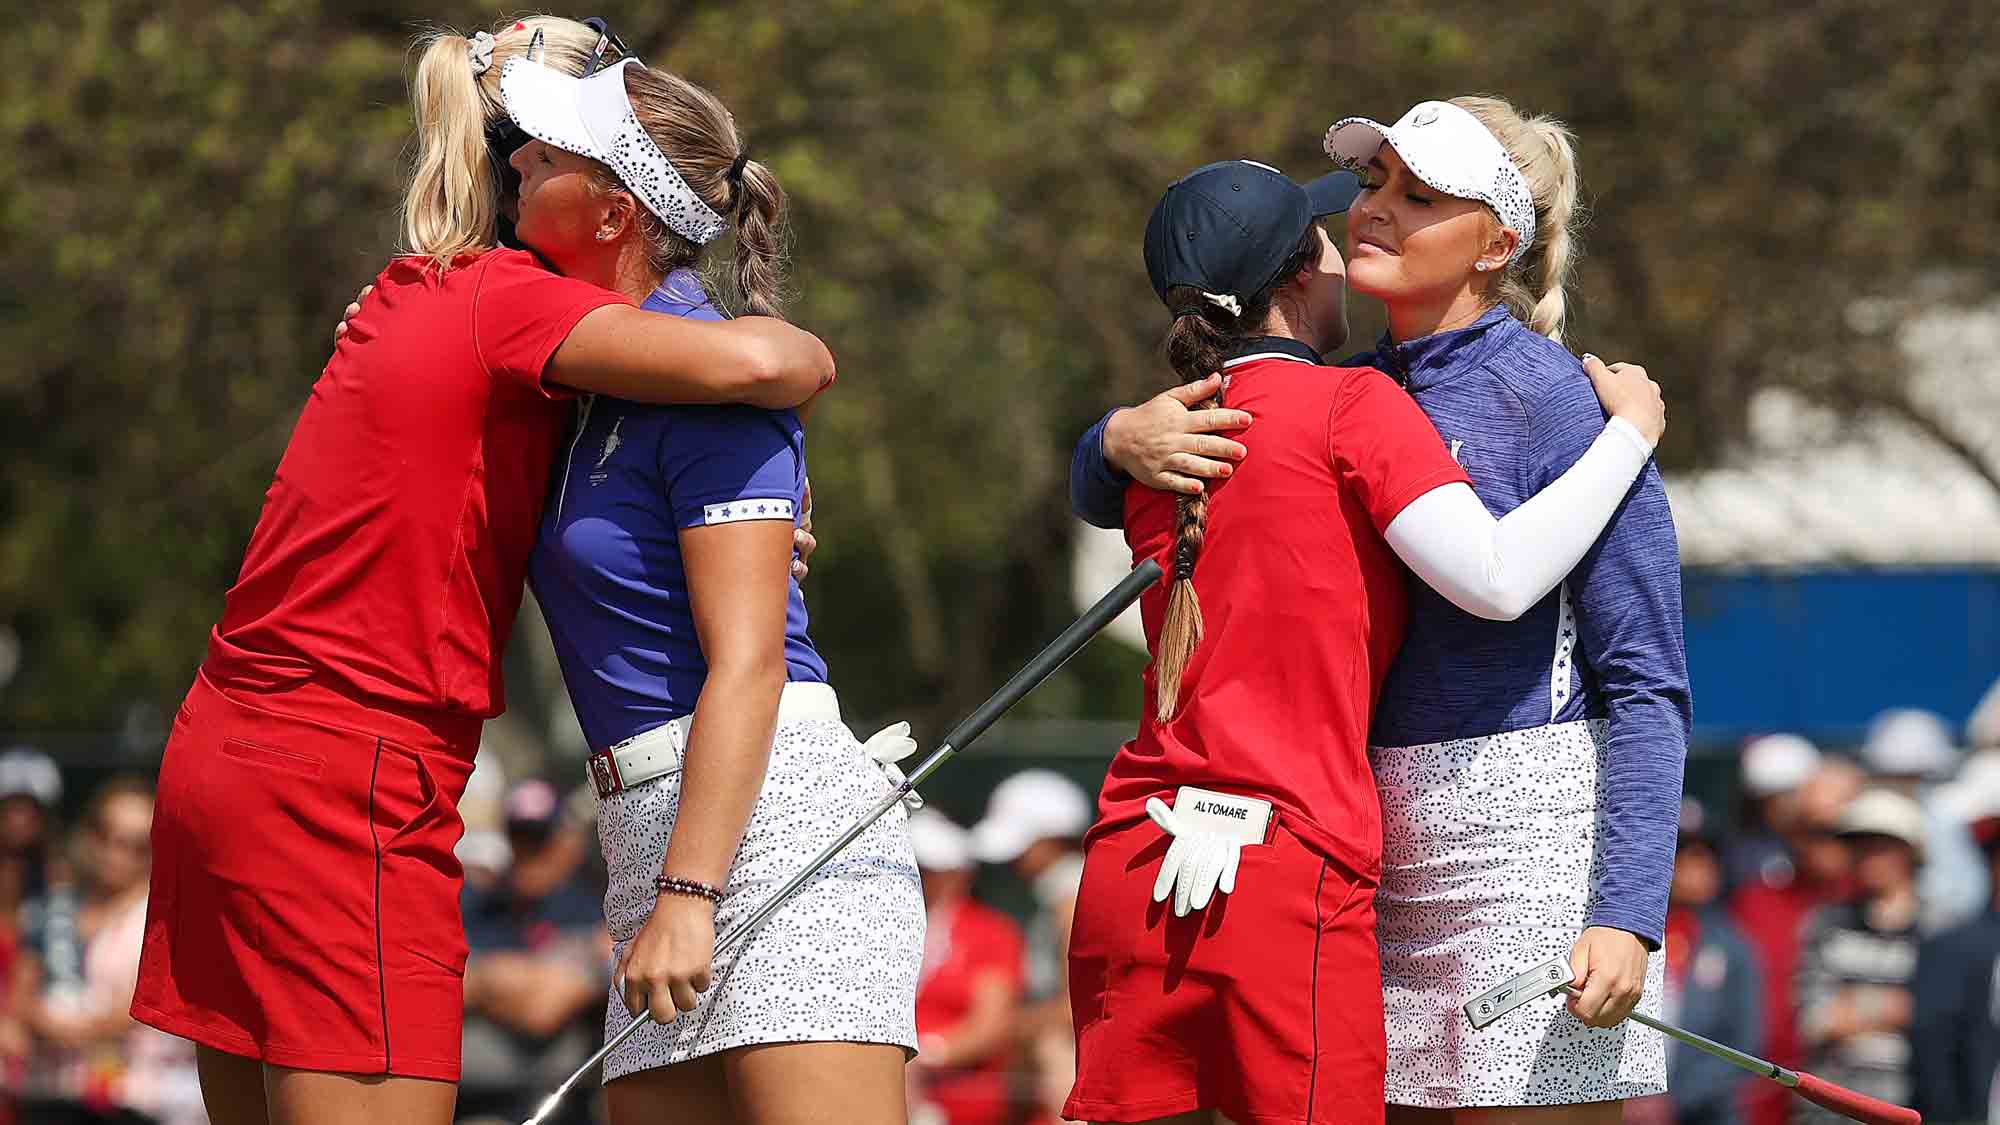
(1226, 470)
(1588, 356)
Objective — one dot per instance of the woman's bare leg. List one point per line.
(232, 1087)
(809, 1083)
(313, 1097)
(689, 1091)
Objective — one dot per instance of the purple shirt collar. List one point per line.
(1429, 360)
(681, 293)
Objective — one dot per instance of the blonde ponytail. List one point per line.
(1535, 286)
(452, 205)
(453, 199)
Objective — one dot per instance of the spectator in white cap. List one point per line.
(30, 790)
(1771, 912)
(1907, 746)
(1035, 821)
(1911, 750)
(1855, 973)
(970, 990)
(1774, 767)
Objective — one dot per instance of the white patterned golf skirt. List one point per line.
(1489, 862)
(836, 963)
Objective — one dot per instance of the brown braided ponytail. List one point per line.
(1201, 338)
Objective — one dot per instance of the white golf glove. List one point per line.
(888, 746)
(1199, 863)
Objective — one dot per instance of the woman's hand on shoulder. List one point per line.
(352, 310)
(1610, 967)
(1167, 444)
(1628, 392)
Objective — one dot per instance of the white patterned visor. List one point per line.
(1447, 148)
(593, 117)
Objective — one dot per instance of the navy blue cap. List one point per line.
(1228, 227)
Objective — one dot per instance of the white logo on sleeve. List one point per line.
(1456, 445)
(736, 511)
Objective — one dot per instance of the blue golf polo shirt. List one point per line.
(607, 567)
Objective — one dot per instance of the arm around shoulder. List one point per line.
(629, 353)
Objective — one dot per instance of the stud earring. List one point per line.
(1482, 267)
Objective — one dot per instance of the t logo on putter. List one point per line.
(1502, 998)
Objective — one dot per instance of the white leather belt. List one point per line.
(658, 752)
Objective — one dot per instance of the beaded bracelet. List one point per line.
(667, 884)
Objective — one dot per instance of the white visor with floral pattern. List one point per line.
(593, 117)
(1447, 148)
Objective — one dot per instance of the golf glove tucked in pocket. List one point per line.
(888, 746)
(1209, 831)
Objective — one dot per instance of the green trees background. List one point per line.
(191, 191)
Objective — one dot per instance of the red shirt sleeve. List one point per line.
(1384, 448)
(521, 313)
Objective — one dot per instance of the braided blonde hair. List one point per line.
(1535, 285)
(695, 131)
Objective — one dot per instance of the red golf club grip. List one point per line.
(1860, 1107)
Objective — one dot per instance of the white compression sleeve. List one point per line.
(1498, 569)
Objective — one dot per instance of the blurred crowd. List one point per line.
(1845, 924)
(1839, 918)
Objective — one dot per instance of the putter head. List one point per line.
(1502, 998)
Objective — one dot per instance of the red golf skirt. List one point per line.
(304, 905)
(1267, 1005)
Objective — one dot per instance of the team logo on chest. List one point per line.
(611, 443)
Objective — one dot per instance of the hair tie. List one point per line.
(735, 173)
(1225, 302)
(479, 53)
(1183, 562)
(1179, 311)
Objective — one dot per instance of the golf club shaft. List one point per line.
(1850, 1104)
(1013, 691)
(1722, 1051)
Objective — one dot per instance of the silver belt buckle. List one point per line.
(604, 774)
